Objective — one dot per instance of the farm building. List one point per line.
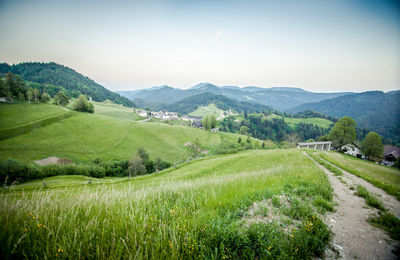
(321, 146)
(390, 154)
(353, 150)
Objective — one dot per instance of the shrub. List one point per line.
(82, 105)
(12, 170)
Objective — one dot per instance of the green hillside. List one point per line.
(203, 209)
(190, 104)
(203, 111)
(108, 135)
(13, 115)
(293, 121)
(53, 77)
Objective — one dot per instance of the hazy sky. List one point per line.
(326, 46)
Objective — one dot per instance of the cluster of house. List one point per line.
(224, 114)
(166, 115)
(390, 154)
(161, 115)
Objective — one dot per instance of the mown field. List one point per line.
(202, 111)
(321, 122)
(254, 204)
(13, 115)
(106, 136)
(386, 178)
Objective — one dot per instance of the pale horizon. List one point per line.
(334, 46)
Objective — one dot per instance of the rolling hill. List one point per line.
(280, 98)
(107, 134)
(374, 110)
(202, 208)
(52, 77)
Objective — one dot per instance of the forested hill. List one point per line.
(190, 104)
(62, 76)
(375, 110)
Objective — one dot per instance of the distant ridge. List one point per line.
(191, 103)
(280, 98)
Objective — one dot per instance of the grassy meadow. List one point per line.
(14, 115)
(202, 209)
(106, 136)
(386, 178)
(321, 122)
(202, 111)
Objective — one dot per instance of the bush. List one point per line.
(12, 170)
(82, 105)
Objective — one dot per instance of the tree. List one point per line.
(213, 121)
(372, 145)
(61, 99)
(45, 98)
(292, 138)
(15, 84)
(29, 95)
(136, 167)
(206, 122)
(36, 94)
(143, 154)
(195, 148)
(82, 105)
(244, 130)
(4, 89)
(343, 132)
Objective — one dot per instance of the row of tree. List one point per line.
(141, 164)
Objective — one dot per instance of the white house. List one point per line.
(353, 150)
(142, 113)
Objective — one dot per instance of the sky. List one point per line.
(320, 46)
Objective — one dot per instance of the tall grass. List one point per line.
(195, 211)
(382, 177)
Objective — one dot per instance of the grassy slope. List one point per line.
(193, 211)
(383, 177)
(116, 111)
(202, 111)
(13, 115)
(321, 122)
(88, 136)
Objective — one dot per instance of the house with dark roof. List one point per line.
(390, 154)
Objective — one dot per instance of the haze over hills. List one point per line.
(52, 77)
(191, 103)
(375, 110)
(280, 98)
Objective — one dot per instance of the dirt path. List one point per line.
(354, 237)
(390, 202)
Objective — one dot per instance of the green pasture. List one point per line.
(199, 210)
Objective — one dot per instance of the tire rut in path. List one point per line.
(354, 237)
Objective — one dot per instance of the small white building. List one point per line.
(142, 113)
(353, 150)
(321, 146)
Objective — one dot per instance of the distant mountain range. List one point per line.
(280, 98)
(59, 76)
(374, 110)
(190, 104)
